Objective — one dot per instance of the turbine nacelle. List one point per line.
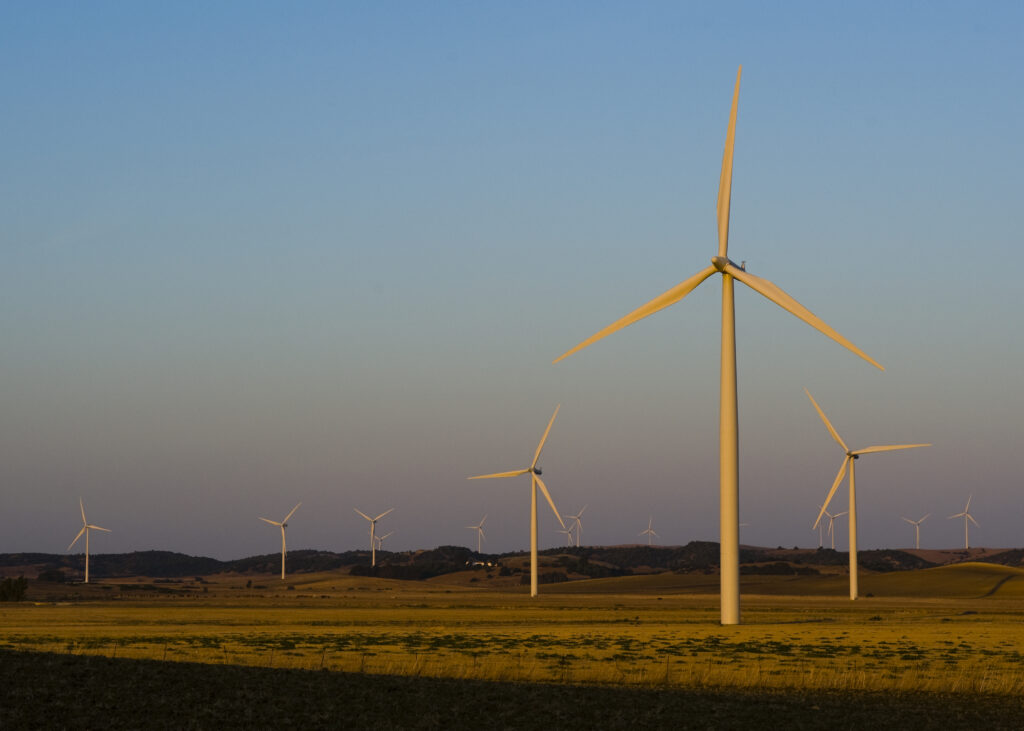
(536, 470)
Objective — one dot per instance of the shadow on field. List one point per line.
(39, 690)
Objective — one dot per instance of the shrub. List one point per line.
(13, 590)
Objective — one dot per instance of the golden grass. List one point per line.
(644, 631)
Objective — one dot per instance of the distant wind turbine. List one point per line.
(831, 527)
(282, 525)
(917, 529)
(577, 524)
(86, 527)
(567, 532)
(381, 539)
(373, 527)
(535, 472)
(479, 528)
(729, 539)
(649, 532)
(966, 515)
(848, 461)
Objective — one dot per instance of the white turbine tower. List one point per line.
(86, 527)
(848, 461)
(966, 515)
(649, 532)
(577, 524)
(917, 529)
(479, 528)
(534, 471)
(373, 534)
(729, 544)
(831, 527)
(282, 525)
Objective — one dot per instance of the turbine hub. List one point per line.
(855, 456)
(537, 470)
(719, 262)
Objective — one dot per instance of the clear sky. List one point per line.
(257, 253)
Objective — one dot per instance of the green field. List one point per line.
(951, 632)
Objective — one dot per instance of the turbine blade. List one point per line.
(958, 515)
(924, 518)
(291, 513)
(482, 520)
(828, 424)
(783, 300)
(513, 473)
(363, 514)
(889, 448)
(268, 520)
(725, 181)
(658, 303)
(968, 507)
(383, 514)
(840, 515)
(908, 520)
(77, 537)
(835, 486)
(96, 527)
(540, 446)
(544, 489)
(581, 511)
(970, 518)
(82, 507)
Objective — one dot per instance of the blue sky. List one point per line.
(259, 253)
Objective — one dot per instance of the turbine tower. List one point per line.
(86, 527)
(479, 528)
(966, 515)
(373, 534)
(282, 525)
(729, 540)
(534, 471)
(917, 528)
(848, 460)
(577, 524)
(649, 532)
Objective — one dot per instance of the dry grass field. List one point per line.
(951, 630)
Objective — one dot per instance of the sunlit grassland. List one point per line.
(641, 631)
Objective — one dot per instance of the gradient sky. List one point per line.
(257, 253)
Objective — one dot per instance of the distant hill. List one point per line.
(560, 564)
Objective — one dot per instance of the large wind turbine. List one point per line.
(86, 527)
(649, 532)
(728, 420)
(282, 525)
(848, 461)
(479, 528)
(534, 471)
(577, 524)
(966, 515)
(917, 528)
(373, 527)
(831, 526)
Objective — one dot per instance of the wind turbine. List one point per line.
(917, 528)
(86, 527)
(381, 539)
(535, 472)
(479, 528)
(849, 460)
(283, 524)
(373, 527)
(831, 528)
(577, 524)
(729, 544)
(966, 515)
(567, 532)
(649, 532)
